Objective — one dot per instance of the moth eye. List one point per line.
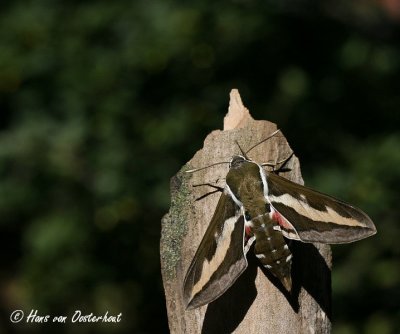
(247, 216)
(267, 208)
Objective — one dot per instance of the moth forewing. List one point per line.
(220, 257)
(311, 216)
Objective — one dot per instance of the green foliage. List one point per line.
(102, 102)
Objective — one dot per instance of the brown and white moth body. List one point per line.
(259, 206)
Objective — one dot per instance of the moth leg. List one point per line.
(269, 164)
(217, 189)
(282, 164)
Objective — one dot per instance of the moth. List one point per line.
(258, 206)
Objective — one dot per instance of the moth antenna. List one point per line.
(270, 136)
(201, 168)
(241, 150)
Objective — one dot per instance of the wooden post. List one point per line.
(255, 303)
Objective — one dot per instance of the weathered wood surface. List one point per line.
(255, 303)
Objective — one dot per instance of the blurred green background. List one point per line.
(102, 102)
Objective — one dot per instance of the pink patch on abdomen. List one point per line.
(248, 231)
(281, 220)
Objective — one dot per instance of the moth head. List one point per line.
(237, 161)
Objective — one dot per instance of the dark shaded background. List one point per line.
(102, 102)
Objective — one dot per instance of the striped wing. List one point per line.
(220, 258)
(309, 216)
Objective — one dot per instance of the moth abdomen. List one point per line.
(271, 249)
